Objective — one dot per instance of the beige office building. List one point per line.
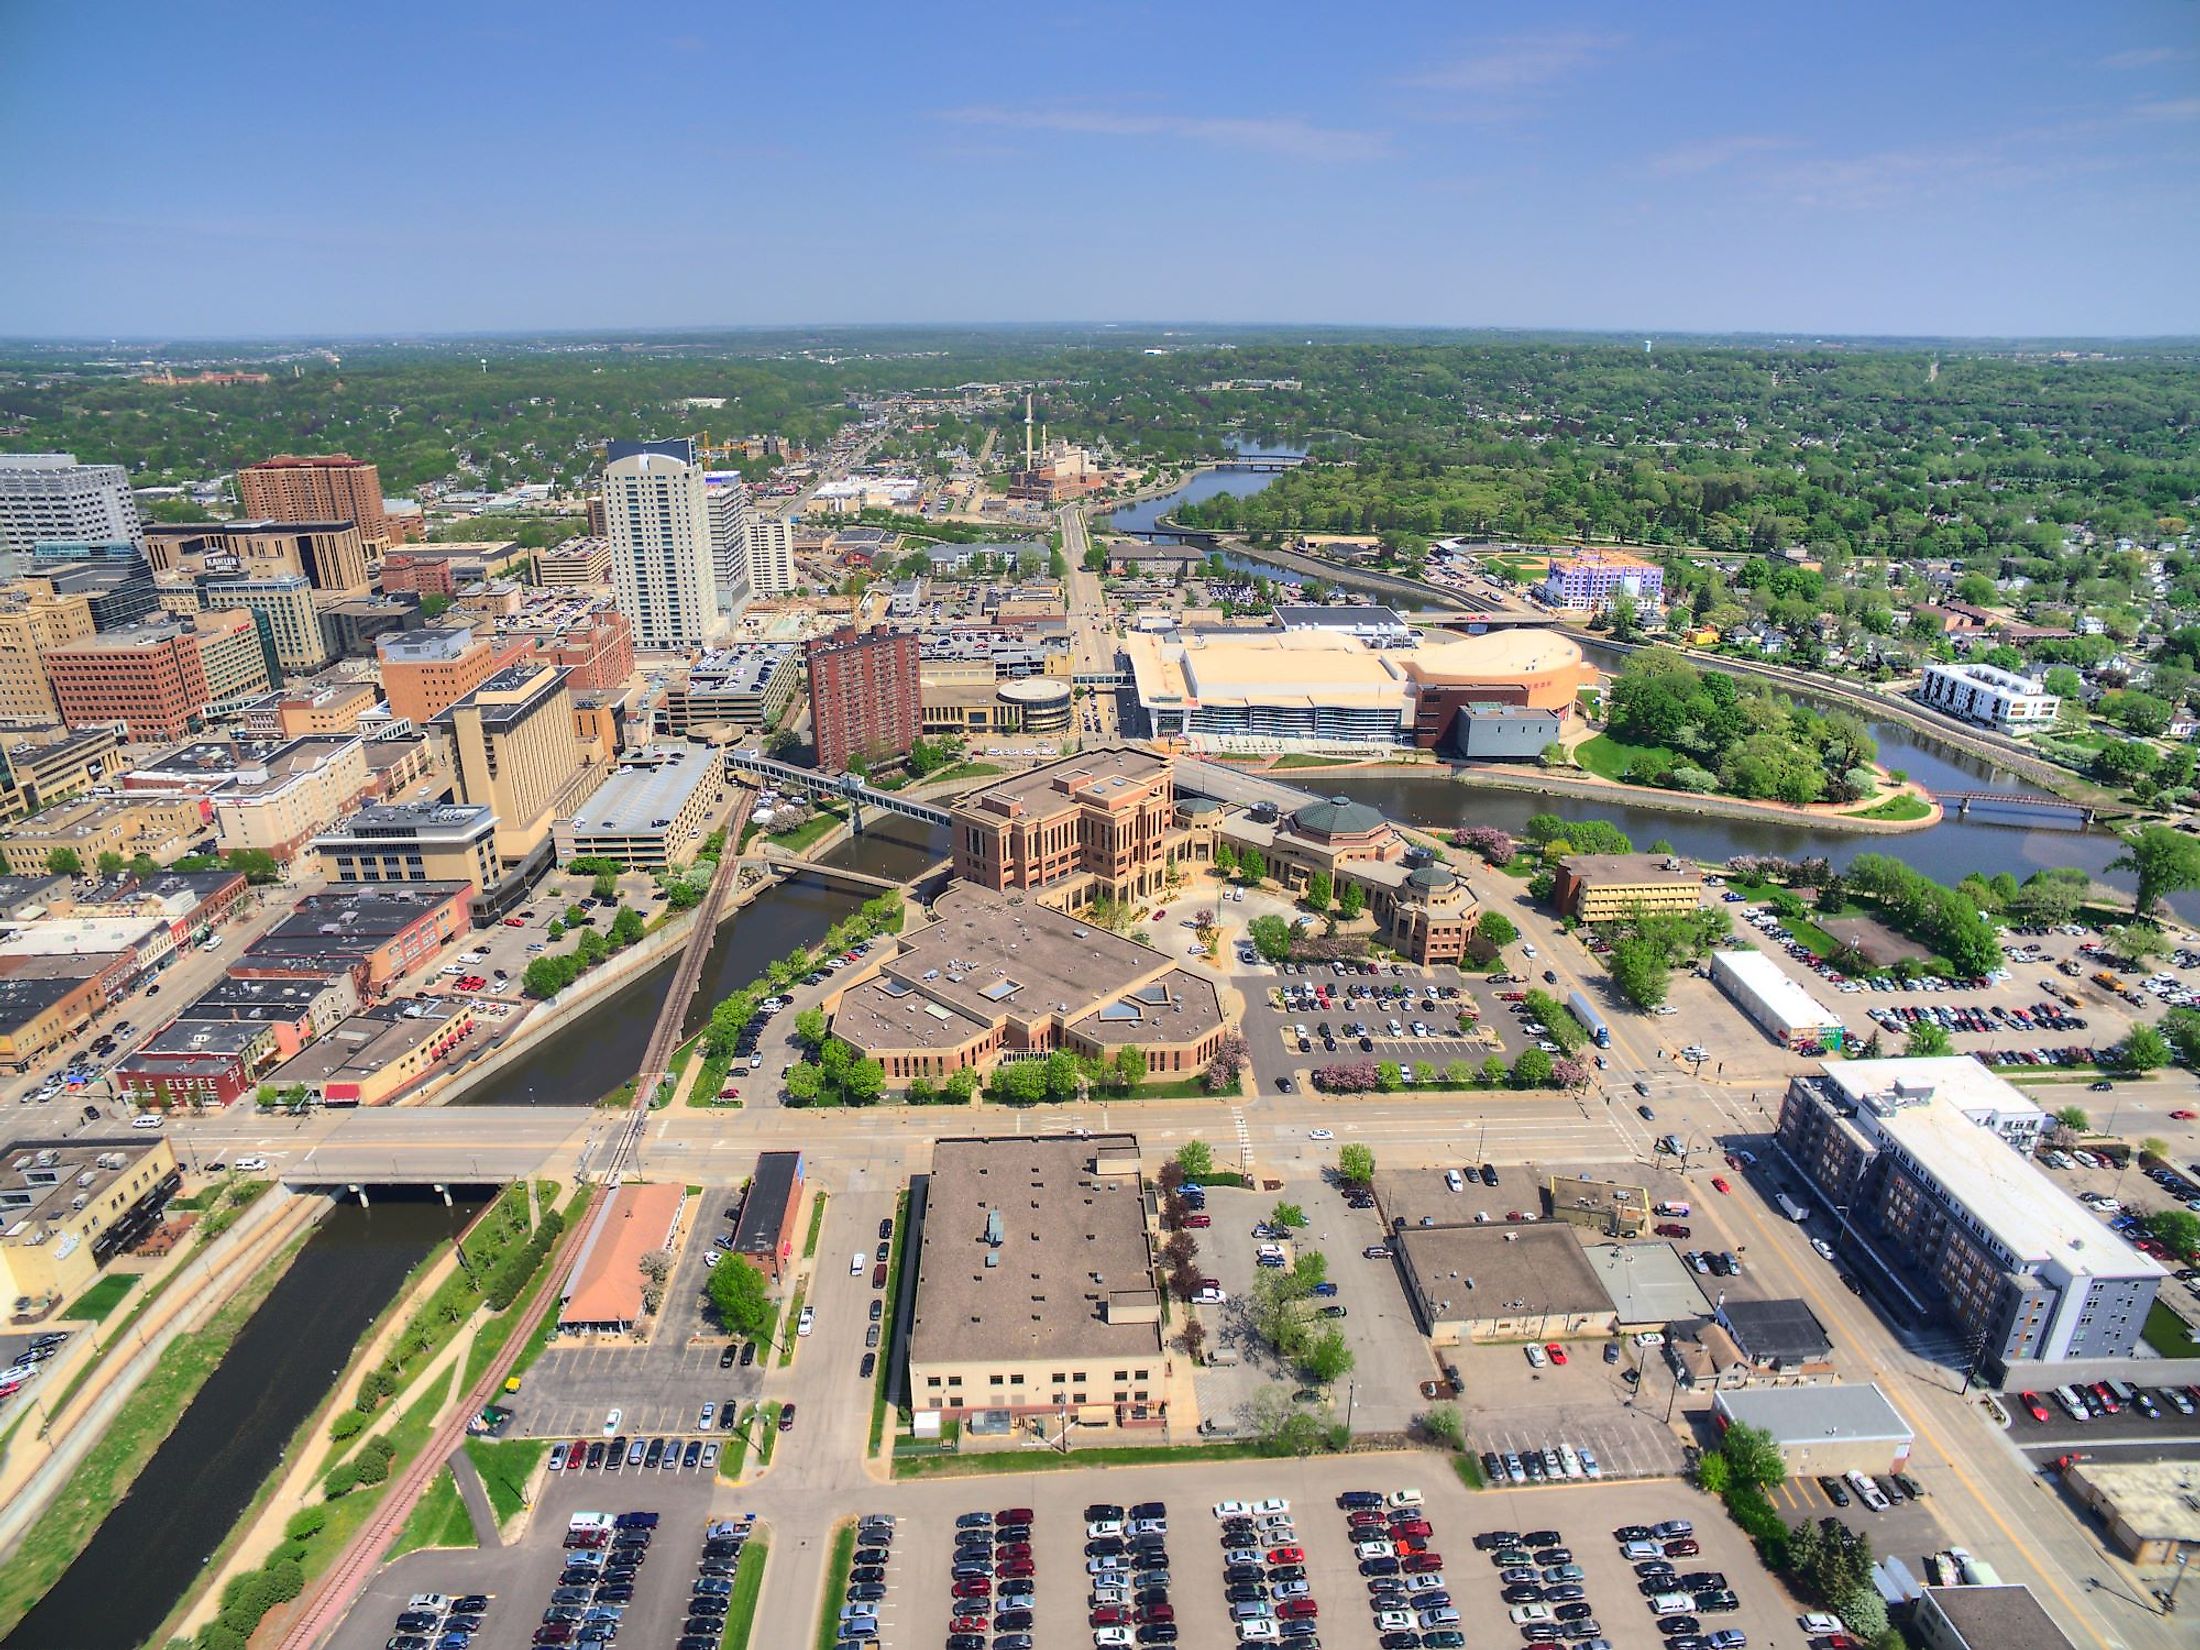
(1037, 1308)
(415, 842)
(662, 561)
(32, 620)
(69, 1207)
(516, 753)
(330, 555)
(298, 791)
(286, 602)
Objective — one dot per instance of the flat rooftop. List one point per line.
(1090, 777)
(2155, 1500)
(1067, 1249)
(1948, 1133)
(1628, 868)
(41, 1179)
(1794, 1005)
(190, 1036)
(1503, 1270)
(1648, 1282)
(1776, 1331)
(987, 958)
(397, 822)
(647, 796)
(1815, 1414)
(2007, 1617)
(361, 1045)
(746, 669)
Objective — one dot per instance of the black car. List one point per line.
(1674, 1626)
(1574, 1612)
(1244, 1592)
(1524, 1592)
(1400, 1641)
(726, 1356)
(1835, 1491)
(748, 1353)
(886, 1227)
(1154, 1632)
(1243, 1572)
(1378, 1566)
(1012, 1621)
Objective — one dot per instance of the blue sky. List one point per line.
(432, 165)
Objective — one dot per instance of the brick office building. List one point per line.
(866, 699)
(325, 487)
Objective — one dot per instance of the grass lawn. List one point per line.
(1306, 759)
(808, 832)
(748, 1582)
(102, 1298)
(836, 1586)
(439, 1520)
(1468, 1469)
(817, 1225)
(767, 1420)
(1607, 758)
(1900, 806)
(2169, 1334)
(965, 770)
(505, 1465)
(735, 1455)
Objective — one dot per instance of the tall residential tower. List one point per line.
(663, 566)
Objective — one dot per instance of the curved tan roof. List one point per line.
(1496, 653)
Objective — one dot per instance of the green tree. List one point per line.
(1319, 894)
(1532, 1070)
(2166, 861)
(961, 1085)
(2145, 1049)
(1926, 1040)
(111, 863)
(1287, 1214)
(1252, 866)
(1493, 1070)
(1226, 859)
(1351, 900)
(2177, 1230)
(1641, 970)
(1753, 1455)
(738, 1295)
(257, 864)
(2182, 1027)
(1326, 1357)
(2137, 943)
(1497, 928)
(65, 862)
(809, 1028)
(1129, 1066)
(1271, 937)
(1196, 1159)
(2074, 1119)
(1355, 1164)
(805, 1085)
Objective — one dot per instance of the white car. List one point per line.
(1111, 1638)
(1374, 1549)
(1526, 1615)
(1321, 1134)
(146, 1120)
(252, 1163)
(803, 1323)
(1818, 1624)
(1394, 1621)
(1233, 1509)
(1537, 1358)
(611, 1422)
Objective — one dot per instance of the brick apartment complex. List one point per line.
(866, 699)
(426, 671)
(424, 575)
(592, 644)
(328, 487)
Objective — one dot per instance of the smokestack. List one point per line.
(1027, 429)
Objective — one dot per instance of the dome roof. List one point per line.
(1430, 879)
(1339, 816)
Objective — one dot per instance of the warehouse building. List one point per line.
(764, 1235)
(2151, 1508)
(1985, 1618)
(1525, 1282)
(1822, 1429)
(1036, 1300)
(1774, 1002)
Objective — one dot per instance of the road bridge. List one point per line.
(844, 787)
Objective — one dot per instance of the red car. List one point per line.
(1108, 1615)
(1557, 1353)
(1288, 1555)
(2185, 1116)
(1420, 1563)
(1417, 1528)
(968, 1624)
(1013, 1515)
(1683, 1548)
(1672, 1229)
(1014, 1569)
(973, 1587)
(1718, 1184)
(1297, 1609)
(1201, 1222)
(514, 922)
(576, 1455)
(2032, 1403)
(1157, 1612)
(1405, 1544)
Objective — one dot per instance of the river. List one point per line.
(149, 1550)
(582, 1062)
(1144, 516)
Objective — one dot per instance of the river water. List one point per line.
(149, 1550)
(1142, 517)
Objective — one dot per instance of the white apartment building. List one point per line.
(1989, 696)
(728, 496)
(657, 517)
(771, 555)
(51, 498)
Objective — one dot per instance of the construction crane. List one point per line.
(709, 452)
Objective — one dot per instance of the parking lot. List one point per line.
(1390, 1356)
(1510, 1405)
(519, 1579)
